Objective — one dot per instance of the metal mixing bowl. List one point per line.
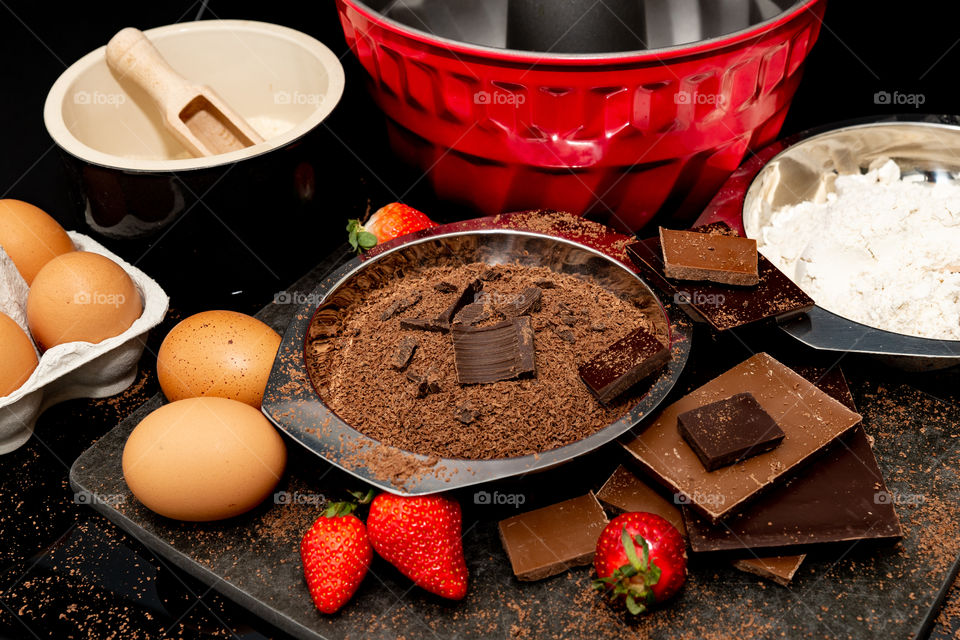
(618, 108)
(296, 408)
(792, 170)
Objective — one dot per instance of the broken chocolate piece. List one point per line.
(690, 255)
(598, 327)
(501, 351)
(565, 334)
(403, 354)
(401, 304)
(445, 287)
(466, 297)
(426, 383)
(810, 419)
(466, 415)
(568, 319)
(548, 541)
(473, 313)
(729, 430)
(724, 307)
(779, 569)
(490, 275)
(526, 301)
(623, 364)
(544, 283)
(424, 324)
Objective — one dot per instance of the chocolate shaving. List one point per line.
(566, 334)
(544, 283)
(403, 354)
(502, 351)
(490, 275)
(473, 313)
(445, 287)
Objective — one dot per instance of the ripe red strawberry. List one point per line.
(389, 222)
(641, 560)
(336, 554)
(421, 536)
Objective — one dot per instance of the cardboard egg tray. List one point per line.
(74, 369)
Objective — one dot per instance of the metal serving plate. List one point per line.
(292, 403)
(794, 169)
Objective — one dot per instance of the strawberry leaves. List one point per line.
(360, 239)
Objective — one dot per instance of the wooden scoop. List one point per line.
(197, 116)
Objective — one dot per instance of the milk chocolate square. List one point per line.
(727, 259)
(723, 307)
(809, 418)
(728, 431)
(548, 541)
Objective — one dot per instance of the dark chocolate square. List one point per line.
(722, 433)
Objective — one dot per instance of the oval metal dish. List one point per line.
(793, 169)
(292, 403)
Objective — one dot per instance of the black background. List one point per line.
(864, 48)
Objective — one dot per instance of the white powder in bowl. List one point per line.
(878, 249)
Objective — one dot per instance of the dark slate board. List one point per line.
(850, 591)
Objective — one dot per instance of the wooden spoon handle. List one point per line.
(132, 56)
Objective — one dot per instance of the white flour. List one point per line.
(879, 250)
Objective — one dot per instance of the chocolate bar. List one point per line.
(623, 364)
(840, 496)
(547, 541)
(624, 492)
(775, 297)
(500, 351)
(727, 259)
(809, 418)
(728, 431)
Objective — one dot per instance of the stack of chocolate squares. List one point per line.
(761, 464)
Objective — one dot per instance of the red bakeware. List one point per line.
(615, 135)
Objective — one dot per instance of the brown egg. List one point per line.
(30, 237)
(203, 459)
(81, 296)
(217, 353)
(19, 359)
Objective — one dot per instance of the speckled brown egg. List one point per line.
(30, 237)
(81, 296)
(203, 459)
(224, 354)
(19, 358)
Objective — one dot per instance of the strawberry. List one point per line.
(389, 222)
(336, 554)
(641, 560)
(420, 536)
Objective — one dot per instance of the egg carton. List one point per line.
(74, 369)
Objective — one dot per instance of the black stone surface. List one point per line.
(253, 559)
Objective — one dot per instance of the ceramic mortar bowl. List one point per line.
(133, 178)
